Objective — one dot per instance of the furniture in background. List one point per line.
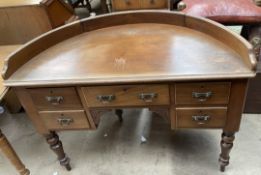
(22, 20)
(10, 153)
(81, 3)
(237, 12)
(8, 98)
(194, 79)
(121, 5)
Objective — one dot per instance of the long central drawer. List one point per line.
(126, 95)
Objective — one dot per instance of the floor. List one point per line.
(142, 145)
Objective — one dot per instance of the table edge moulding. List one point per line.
(209, 94)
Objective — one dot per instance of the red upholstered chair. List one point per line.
(233, 12)
(225, 11)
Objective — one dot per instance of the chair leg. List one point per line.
(119, 113)
(7, 149)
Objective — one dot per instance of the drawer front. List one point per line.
(63, 120)
(154, 4)
(133, 95)
(201, 117)
(118, 5)
(55, 98)
(202, 93)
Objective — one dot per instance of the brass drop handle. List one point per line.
(148, 97)
(201, 119)
(64, 121)
(106, 98)
(202, 96)
(54, 100)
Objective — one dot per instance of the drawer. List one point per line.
(154, 4)
(118, 5)
(133, 95)
(74, 119)
(55, 98)
(201, 117)
(202, 93)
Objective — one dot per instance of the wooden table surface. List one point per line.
(143, 51)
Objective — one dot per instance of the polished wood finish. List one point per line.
(9, 99)
(119, 5)
(24, 20)
(70, 98)
(226, 146)
(125, 5)
(218, 91)
(240, 65)
(58, 12)
(188, 69)
(154, 4)
(236, 105)
(7, 95)
(65, 120)
(127, 95)
(9, 152)
(31, 110)
(56, 145)
(34, 47)
(215, 117)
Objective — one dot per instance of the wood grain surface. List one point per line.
(127, 95)
(217, 117)
(4, 52)
(138, 49)
(78, 117)
(132, 52)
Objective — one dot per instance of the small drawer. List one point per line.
(201, 117)
(74, 119)
(154, 4)
(55, 98)
(202, 93)
(133, 95)
(118, 5)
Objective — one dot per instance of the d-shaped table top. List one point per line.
(140, 52)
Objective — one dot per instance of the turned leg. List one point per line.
(226, 146)
(9, 152)
(57, 147)
(119, 113)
